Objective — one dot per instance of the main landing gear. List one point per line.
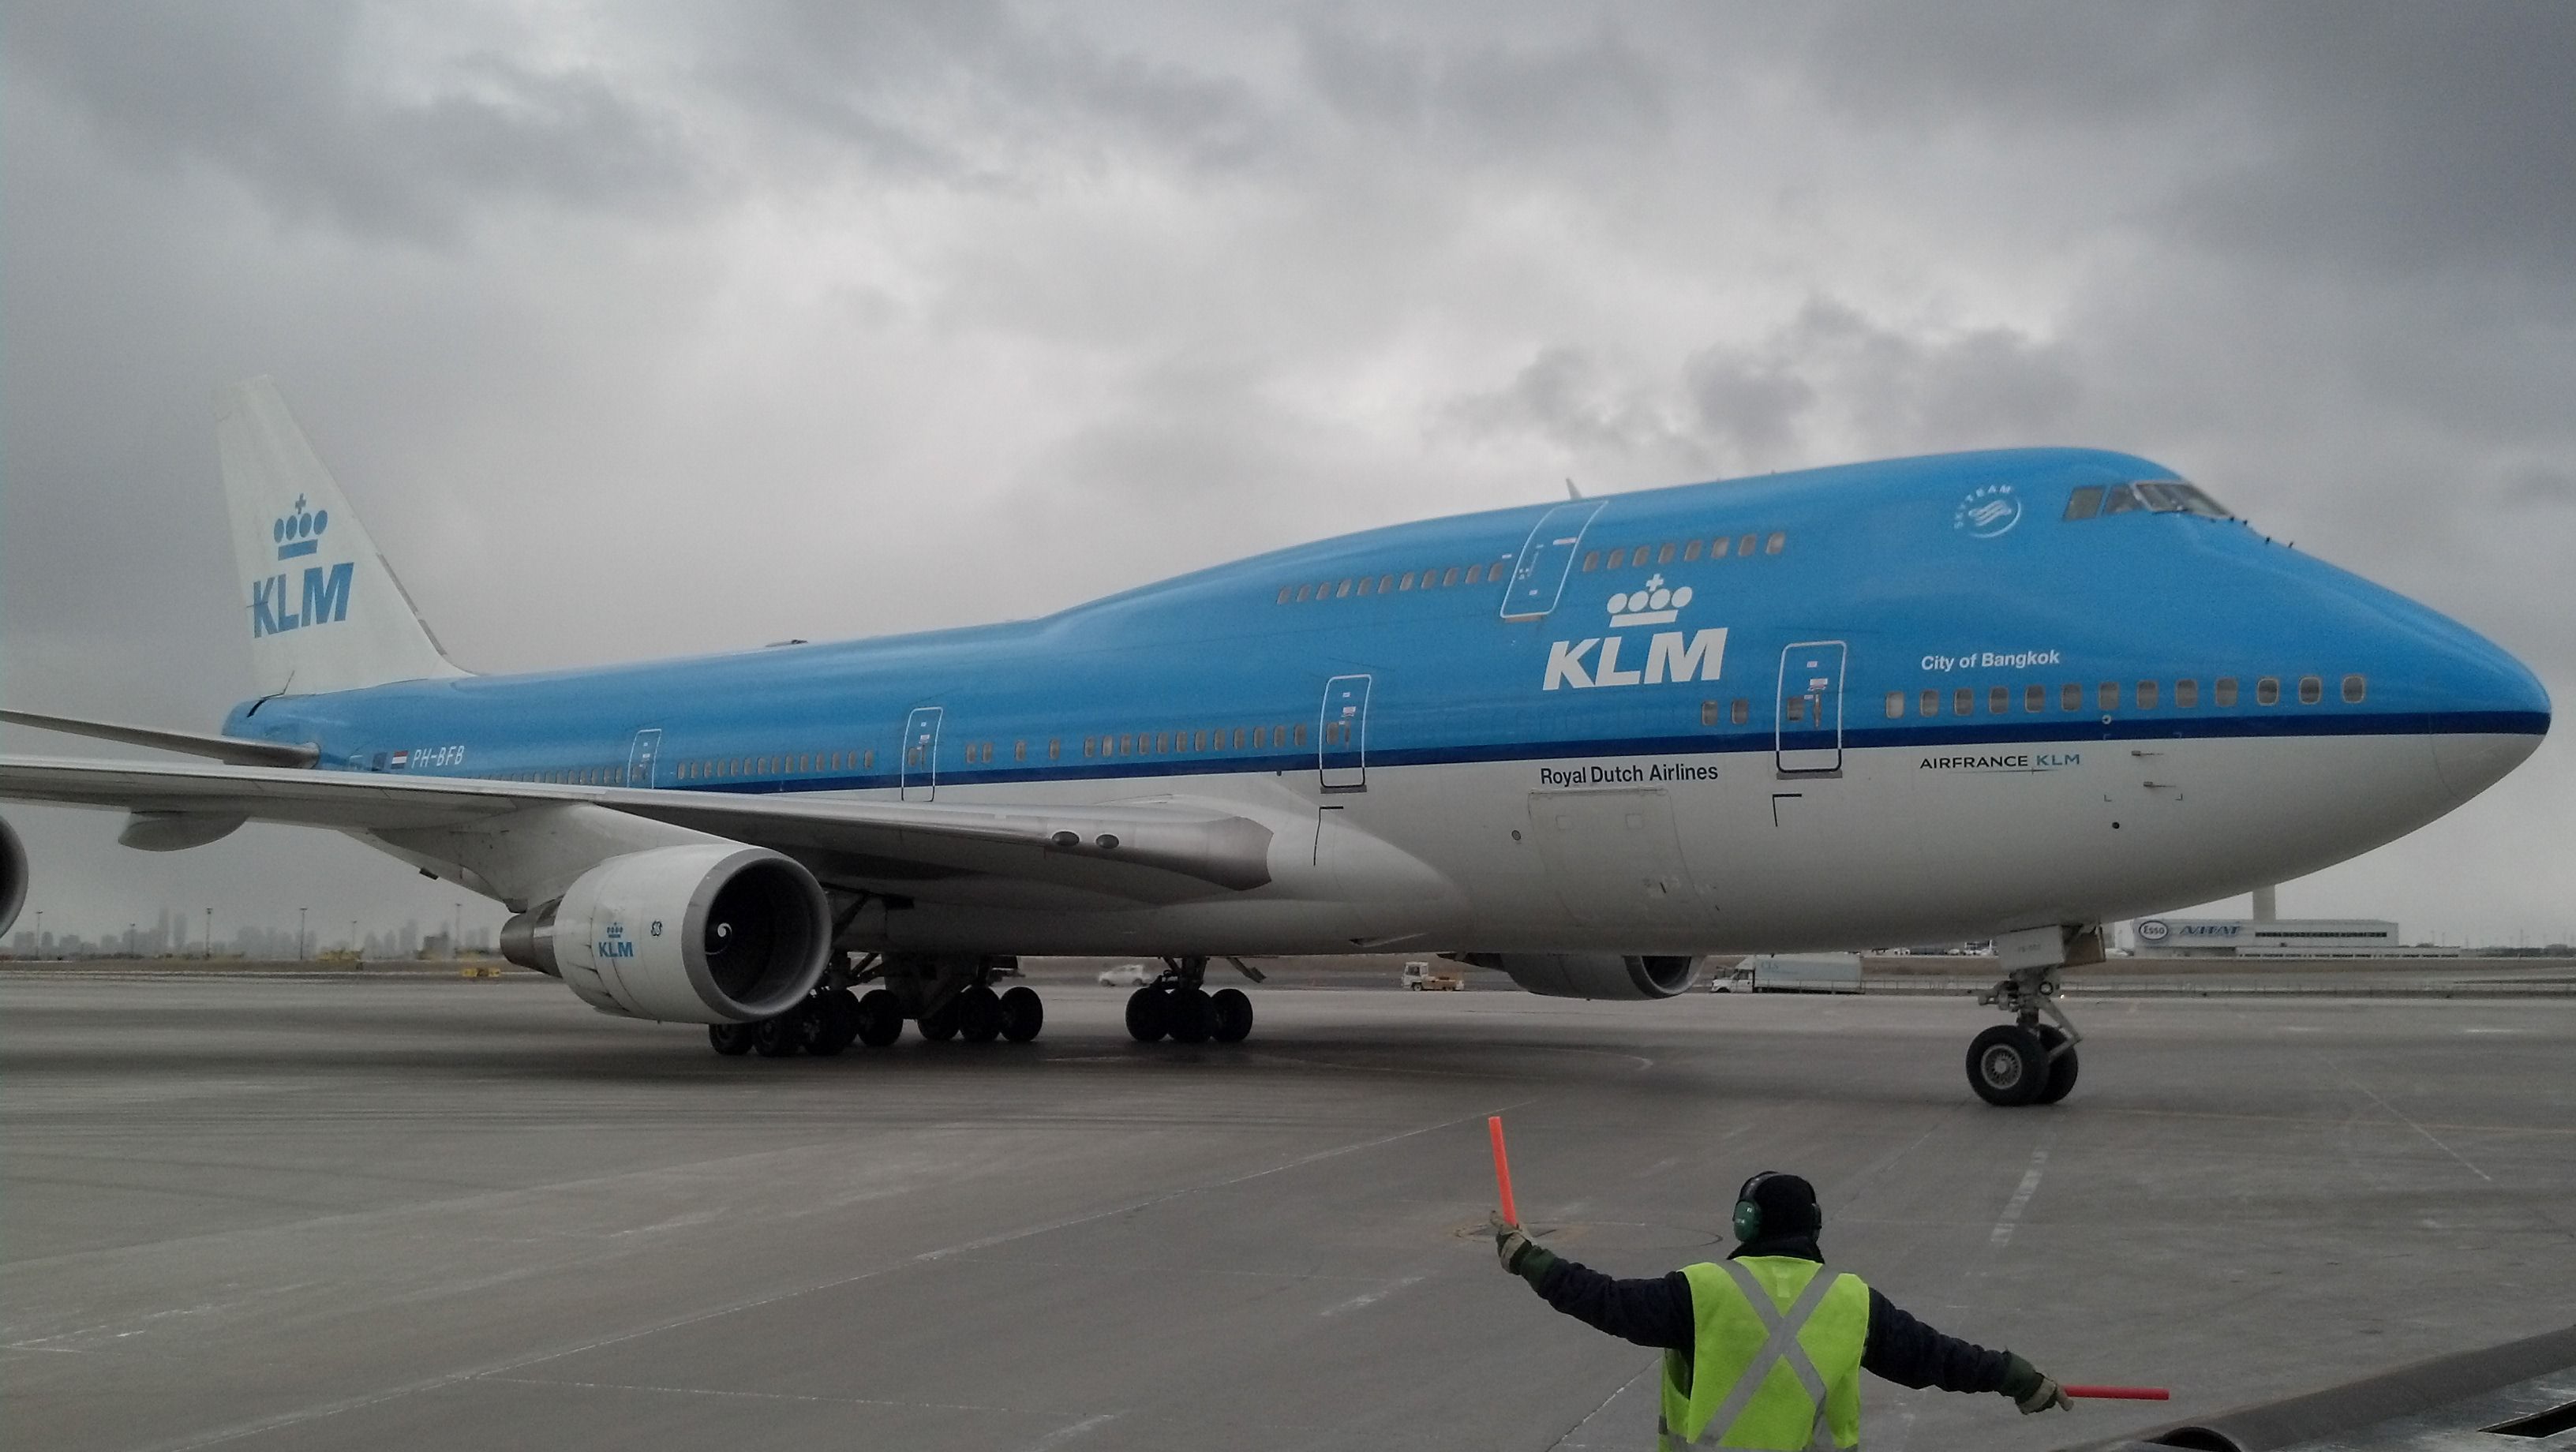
(1178, 1006)
(945, 997)
(2027, 1061)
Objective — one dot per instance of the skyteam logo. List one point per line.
(299, 532)
(324, 598)
(1988, 511)
(1671, 655)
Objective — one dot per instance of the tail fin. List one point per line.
(325, 611)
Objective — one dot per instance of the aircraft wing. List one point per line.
(1146, 852)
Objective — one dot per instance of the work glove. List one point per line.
(2029, 1389)
(1519, 1254)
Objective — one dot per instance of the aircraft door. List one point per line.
(1546, 558)
(1808, 739)
(641, 756)
(1613, 857)
(921, 754)
(1341, 739)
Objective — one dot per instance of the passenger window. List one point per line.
(1324, 590)
(1386, 584)
(1055, 749)
(1929, 705)
(1741, 711)
(1126, 744)
(2085, 502)
(2146, 695)
(1287, 593)
(1690, 551)
(1343, 591)
(1998, 700)
(2225, 690)
(2034, 698)
(1717, 547)
(1447, 579)
(2070, 697)
(2186, 695)
(868, 760)
(1090, 747)
(1305, 592)
(1793, 708)
(2312, 689)
(1963, 702)
(1238, 738)
(2120, 501)
(1591, 561)
(1404, 581)
(1779, 542)
(1301, 733)
(1895, 705)
(1708, 713)
(2354, 688)
(1019, 752)
(1203, 742)
(2106, 697)
(1163, 744)
(2267, 691)
(1367, 584)
(1639, 555)
(1618, 557)
(1474, 573)
(1665, 555)
(1260, 737)
(1744, 546)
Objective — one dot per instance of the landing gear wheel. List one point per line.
(836, 1021)
(1145, 1016)
(1189, 1016)
(1023, 1013)
(1233, 1014)
(979, 1015)
(880, 1018)
(2061, 1066)
(940, 1024)
(776, 1038)
(729, 1039)
(2006, 1065)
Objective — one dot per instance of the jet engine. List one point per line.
(13, 876)
(1595, 975)
(705, 933)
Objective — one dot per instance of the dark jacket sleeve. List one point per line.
(1909, 1353)
(1653, 1312)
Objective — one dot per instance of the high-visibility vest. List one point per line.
(1776, 1359)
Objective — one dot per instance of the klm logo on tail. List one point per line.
(1671, 655)
(325, 599)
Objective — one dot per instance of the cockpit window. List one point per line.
(2085, 502)
(2121, 500)
(2155, 496)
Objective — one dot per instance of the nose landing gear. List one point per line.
(2027, 1061)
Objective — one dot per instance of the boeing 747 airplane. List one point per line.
(2008, 695)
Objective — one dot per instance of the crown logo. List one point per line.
(300, 532)
(1650, 604)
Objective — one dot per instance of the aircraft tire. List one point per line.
(880, 1018)
(979, 1015)
(729, 1039)
(1189, 1016)
(836, 1022)
(1023, 1014)
(2061, 1069)
(940, 1024)
(1145, 1015)
(1233, 1015)
(2006, 1065)
(782, 1036)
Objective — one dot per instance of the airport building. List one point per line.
(2277, 938)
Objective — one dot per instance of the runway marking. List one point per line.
(2400, 1115)
(1066, 1434)
(760, 1396)
(321, 1410)
(2012, 1212)
(1371, 1298)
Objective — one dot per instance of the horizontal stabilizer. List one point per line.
(231, 750)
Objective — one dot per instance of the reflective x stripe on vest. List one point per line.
(1796, 1387)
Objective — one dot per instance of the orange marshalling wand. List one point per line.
(1503, 1170)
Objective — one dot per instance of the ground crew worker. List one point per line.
(1766, 1348)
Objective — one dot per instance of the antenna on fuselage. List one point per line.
(1571, 492)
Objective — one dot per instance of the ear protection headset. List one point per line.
(1748, 1215)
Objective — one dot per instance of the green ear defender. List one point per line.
(1748, 1220)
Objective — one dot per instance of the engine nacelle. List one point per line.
(1596, 975)
(712, 933)
(13, 876)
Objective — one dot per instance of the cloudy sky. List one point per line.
(636, 329)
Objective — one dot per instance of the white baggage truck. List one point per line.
(1792, 973)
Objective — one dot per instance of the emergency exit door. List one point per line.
(1538, 578)
(641, 756)
(921, 754)
(1341, 738)
(1808, 739)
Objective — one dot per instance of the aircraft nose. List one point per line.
(2493, 715)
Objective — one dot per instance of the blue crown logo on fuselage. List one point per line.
(300, 531)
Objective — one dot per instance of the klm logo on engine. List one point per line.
(275, 604)
(1671, 655)
(613, 943)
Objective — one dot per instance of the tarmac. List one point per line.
(404, 1211)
